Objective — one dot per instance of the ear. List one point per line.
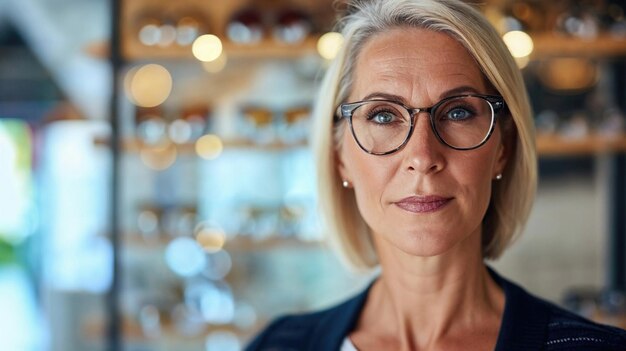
(341, 165)
(503, 155)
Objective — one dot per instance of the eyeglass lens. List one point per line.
(461, 122)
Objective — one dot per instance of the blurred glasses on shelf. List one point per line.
(153, 129)
(179, 27)
(576, 126)
(266, 221)
(259, 221)
(294, 126)
(264, 125)
(148, 223)
(155, 222)
(546, 122)
(578, 21)
(612, 123)
(290, 220)
(179, 221)
(250, 26)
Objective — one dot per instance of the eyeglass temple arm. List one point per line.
(497, 104)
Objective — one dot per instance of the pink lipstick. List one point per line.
(423, 204)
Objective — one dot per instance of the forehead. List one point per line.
(417, 64)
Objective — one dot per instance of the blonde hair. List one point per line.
(512, 196)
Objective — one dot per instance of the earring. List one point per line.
(345, 184)
(498, 176)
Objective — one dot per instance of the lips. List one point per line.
(423, 204)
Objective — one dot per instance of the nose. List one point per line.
(423, 152)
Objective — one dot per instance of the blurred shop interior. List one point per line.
(191, 119)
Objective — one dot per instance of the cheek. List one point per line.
(474, 175)
(366, 172)
(369, 174)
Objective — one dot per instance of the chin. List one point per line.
(425, 244)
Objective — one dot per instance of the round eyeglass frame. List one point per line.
(496, 103)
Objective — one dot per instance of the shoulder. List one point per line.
(565, 330)
(324, 329)
(288, 332)
(569, 331)
(532, 323)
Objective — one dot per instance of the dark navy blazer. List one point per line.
(529, 323)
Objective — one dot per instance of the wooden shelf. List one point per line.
(555, 145)
(553, 45)
(135, 145)
(236, 244)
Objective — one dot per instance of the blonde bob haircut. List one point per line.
(511, 198)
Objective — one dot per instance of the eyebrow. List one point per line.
(464, 89)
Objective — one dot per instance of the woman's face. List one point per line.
(425, 198)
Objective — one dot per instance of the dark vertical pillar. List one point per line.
(616, 246)
(114, 333)
(617, 224)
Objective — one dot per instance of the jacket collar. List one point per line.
(524, 322)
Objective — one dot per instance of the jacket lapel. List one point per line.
(525, 320)
(335, 326)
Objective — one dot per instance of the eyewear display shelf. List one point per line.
(548, 146)
(128, 332)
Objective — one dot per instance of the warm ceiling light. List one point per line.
(207, 48)
(519, 43)
(329, 44)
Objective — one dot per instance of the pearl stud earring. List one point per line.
(345, 184)
(499, 176)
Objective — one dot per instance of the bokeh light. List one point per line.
(184, 257)
(150, 34)
(329, 45)
(211, 239)
(218, 265)
(148, 86)
(568, 74)
(207, 48)
(159, 157)
(179, 131)
(209, 146)
(519, 43)
(168, 35)
(148, 222)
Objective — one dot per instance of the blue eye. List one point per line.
(383, 117)
(459, 114)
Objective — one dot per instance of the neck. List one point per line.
(423, 300)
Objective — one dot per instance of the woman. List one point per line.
(427, 167)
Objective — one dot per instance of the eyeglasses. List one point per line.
(462, 122)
